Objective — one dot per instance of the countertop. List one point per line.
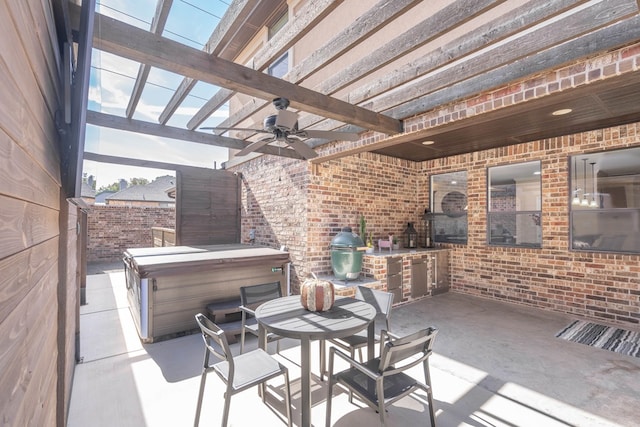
(399, 252)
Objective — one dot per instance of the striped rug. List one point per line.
(606, 337)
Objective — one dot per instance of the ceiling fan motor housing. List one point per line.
(284, 120)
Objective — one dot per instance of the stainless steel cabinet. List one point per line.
(419, 279)
(440, 272)
(394, 278)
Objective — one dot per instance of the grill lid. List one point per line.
(346, 239)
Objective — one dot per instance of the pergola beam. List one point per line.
(308, 17)
(369, 23)
(231, 21)
(137, 126)
(129, 42)
(157, 27)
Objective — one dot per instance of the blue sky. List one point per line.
(112, 79)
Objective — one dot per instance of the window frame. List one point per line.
(600, 212)
(510, 238)
(454, 204)
(273, 66)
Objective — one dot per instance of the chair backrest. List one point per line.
(211, 333)
(256, 294)
(382, 301)
(401, 349)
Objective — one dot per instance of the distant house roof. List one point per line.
(101, 196)
(155, 191)
(87, 191)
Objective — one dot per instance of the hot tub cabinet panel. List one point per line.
(166, 287)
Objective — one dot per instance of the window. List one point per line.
(279, 24)
(514, 203)
(605, 201)
(280, 66)
(449, 207)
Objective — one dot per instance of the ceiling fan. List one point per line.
(283, 126)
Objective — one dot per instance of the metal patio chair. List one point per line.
(250, 298)
(238, 373)
(382, 381)
(382, 301)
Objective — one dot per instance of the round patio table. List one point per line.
(288, 318)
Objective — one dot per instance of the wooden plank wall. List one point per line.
(31, 286)
(207, 207)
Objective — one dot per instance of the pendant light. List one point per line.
(576, 199)
(584, 201)
(594, 203)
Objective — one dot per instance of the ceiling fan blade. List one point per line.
(238, 129)
(254, 146)
(332, 135)
(303, 149)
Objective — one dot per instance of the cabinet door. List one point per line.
(394, 278)
(419, 284)
(440, 273)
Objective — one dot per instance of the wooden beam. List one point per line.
(307, 18)
(215, 102)
(494, 31)
(517, 20)
(137, 126)
(570, 28)
(127, 161)
(157, 27)
(367, 24)
(448, 18)
(604, 39)
(135, 44)
(230, 23)
(607, 38)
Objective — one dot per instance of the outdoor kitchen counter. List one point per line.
(399, 252)
(409, 273)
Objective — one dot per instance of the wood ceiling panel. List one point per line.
(599, 105)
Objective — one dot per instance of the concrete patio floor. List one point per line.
(494, 364)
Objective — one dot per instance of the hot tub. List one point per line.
(167, 286)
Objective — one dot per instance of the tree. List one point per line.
(138, 181)
(116, 185)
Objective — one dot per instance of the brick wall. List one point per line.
(274, 203)
(381, 188)
(113, 229)
(390, 192)
(311, 206)
(596, 285)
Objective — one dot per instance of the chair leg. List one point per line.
(323, 361)
(329, 390)
(287, 398)
(352, 353)
(203, 379)
(227, 404)
(432, 415)
(380, 396)
(427, 379)
(242, 338)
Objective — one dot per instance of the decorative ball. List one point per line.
(317, 295)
